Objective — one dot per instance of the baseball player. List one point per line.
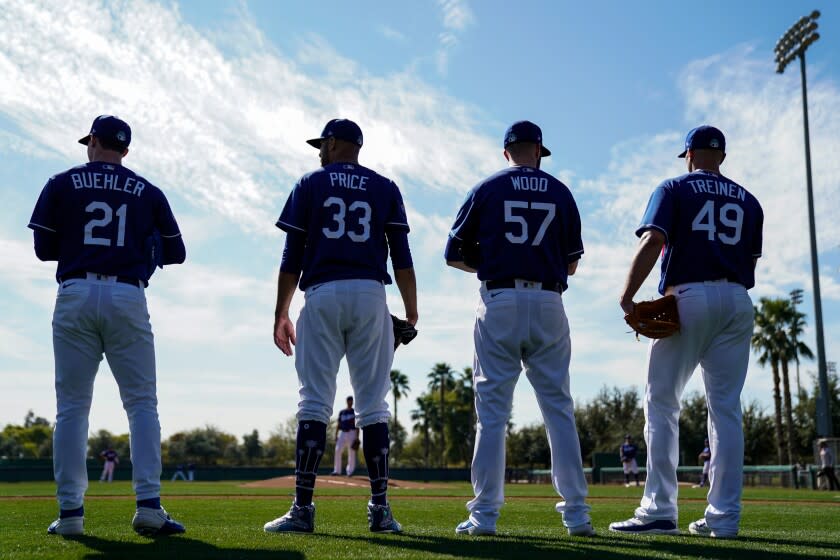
(179, 473)
(627, 451)
(346, 434)
(711, 228)
(827, 466)
(107, 227)
(111, 460)
(705, 458)
(527, 229)
(341, 222)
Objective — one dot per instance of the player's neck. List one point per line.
(710, 168)
(105, 157)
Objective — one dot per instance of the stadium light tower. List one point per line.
(792, 45)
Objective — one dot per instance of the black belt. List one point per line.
(502, 284)
(120, 279)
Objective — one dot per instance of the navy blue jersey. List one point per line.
(347, 420)
(345, 210)
(712, 228)
(628, 451)
(526, 223)
(103, 215)
(109, 455)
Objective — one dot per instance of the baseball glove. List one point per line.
(471, 252)
(355, 445)
(404, 332)
(658, 318)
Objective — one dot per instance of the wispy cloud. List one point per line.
(390, 33)
(456, 15)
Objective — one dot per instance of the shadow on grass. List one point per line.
(178, 547)
(607, 547)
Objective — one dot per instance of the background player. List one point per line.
(341, 221)
(705, 458)
(111, 460)
(711, 228)
(627, 451)
(102, 223)
(827, 466)
(346, 433)
(527, 227)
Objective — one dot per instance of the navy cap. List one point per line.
(343, 129)
(628, 436)
(110, 128)
(525, 131)
(704, 137)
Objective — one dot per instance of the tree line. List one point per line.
(442, 430)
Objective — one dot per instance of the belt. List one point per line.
(501, 284)
(106, 277)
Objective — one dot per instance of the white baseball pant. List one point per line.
(93, 317)
(345, 317)
(513, 327)
(716, 323)
(630, 466)
(108, 471)
(345, 441)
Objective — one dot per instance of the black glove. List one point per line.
(404, 332)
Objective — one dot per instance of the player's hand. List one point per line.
(284, 335)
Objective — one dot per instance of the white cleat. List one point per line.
(469, 528)
(700, 529)
(67, 526)
(636, 526)
(583, 530)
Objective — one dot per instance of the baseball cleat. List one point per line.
(299, 519)
(67, 526)
(380, 519)
(700, 529)
(583, 530)
(469, 527)
(153, 522)
(636, 526)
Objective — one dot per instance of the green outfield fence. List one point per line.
(786, 476)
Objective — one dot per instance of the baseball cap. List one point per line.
(343, 129)
(704, 137)
(525, 131)
(109, 128)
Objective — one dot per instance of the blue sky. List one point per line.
(221, 96)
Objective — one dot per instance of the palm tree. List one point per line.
(399, 388)
(421, 417)
(796, 327)
(765, 341)
(441, 378)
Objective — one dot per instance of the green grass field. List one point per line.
(224, 520)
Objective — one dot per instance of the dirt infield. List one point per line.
(339, 482)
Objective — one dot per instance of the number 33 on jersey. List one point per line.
(712, 228)
(345, 210)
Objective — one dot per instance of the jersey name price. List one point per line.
(348, 181)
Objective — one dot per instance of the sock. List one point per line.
(376, 444)
(153, 503)
(78, 512)
(311, 440)
(626, 478)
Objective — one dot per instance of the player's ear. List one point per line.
(125, 152)
(507, 155)
(722, 157)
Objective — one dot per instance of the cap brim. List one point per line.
(85, 140)
(683, 154)
(544, 152)
(315, 142)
